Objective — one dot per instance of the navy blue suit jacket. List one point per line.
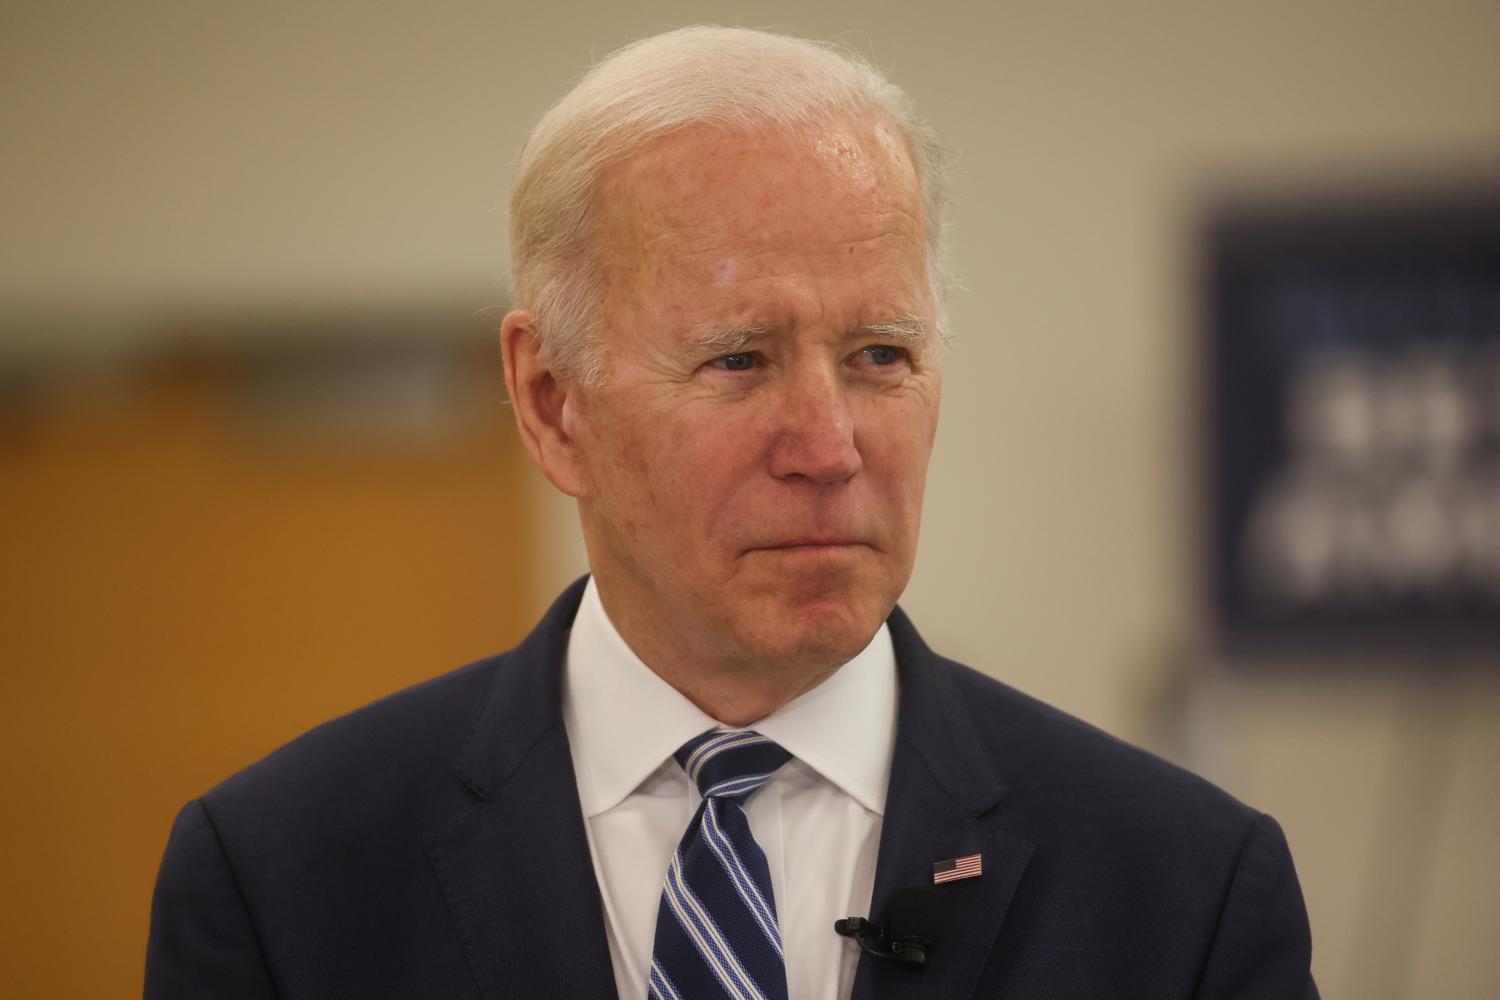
(432, 845)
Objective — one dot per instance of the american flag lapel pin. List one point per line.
(968, 866)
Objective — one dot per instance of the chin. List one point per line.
(821, 632)
(810, 612)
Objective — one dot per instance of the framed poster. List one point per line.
(1353, 431)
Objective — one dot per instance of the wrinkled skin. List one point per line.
(749, 476)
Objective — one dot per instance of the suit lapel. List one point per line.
(519, 879)
(515, 867)
(943, 785)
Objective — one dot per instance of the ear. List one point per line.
(540, 398)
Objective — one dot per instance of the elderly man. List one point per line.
(727, 347)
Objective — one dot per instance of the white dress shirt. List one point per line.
(818, 818)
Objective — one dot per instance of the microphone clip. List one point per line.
(908, 950)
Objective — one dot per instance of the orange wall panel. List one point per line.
(181, 597)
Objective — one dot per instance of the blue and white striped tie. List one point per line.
(716, 931)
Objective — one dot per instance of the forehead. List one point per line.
(709, 205)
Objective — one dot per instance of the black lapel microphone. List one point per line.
(906, 931)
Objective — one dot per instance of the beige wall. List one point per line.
(312, 152)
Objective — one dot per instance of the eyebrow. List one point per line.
(733, 339)
(908, 329)
(725, 340)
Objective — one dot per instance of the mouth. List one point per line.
(812, 544)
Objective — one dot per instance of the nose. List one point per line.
(815, 438)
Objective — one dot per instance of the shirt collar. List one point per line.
(624, 721)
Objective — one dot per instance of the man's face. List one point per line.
(752, 467)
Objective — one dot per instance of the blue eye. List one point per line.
(883, 356)
(742, 362)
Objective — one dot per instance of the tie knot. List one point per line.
(730, 763)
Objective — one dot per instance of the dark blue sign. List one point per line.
(1354, 427)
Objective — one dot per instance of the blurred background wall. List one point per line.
(256, 470)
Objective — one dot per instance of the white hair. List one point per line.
(734, 78)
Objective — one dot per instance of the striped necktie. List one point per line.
(716, 931)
